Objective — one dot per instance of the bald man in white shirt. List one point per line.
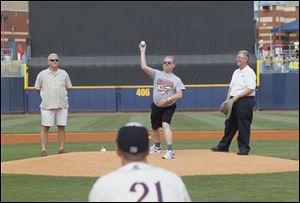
(242, 92)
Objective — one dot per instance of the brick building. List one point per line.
(14, 25)
(272, 15)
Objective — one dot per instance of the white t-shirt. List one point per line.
(139, 181)
(242, 80)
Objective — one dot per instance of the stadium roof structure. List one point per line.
(289, 27)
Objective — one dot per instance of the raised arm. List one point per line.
(145, 68)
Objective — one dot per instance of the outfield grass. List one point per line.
(275, 187)
(182, 121)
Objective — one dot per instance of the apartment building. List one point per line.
(272, 15)
(14, 26)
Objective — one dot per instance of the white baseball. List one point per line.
(143, 43)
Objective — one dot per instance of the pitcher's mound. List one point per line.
(186, 163)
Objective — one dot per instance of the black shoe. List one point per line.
(242, 153)
(217, 149)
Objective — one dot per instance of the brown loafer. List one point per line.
(44, 153)
(62, 151)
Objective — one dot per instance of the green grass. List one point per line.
(275, 187)
(282, 149)
(182, 121)
(276, 120)
(28, 150)
(30, 188)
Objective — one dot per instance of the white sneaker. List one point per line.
(170, 154)
(155, 150)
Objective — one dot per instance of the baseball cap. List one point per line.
(226, 107)
(133, 138)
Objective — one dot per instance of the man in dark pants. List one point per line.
(242, 92)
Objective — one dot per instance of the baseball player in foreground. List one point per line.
(136, 180)
(167, 89)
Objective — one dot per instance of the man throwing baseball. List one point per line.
(167, 89)
(136, 180)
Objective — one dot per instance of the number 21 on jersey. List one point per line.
(146, 190)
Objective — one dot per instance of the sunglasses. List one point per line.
(167, 62)
(52, 60)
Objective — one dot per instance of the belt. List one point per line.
(249, 97)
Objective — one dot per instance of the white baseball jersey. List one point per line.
(139, 181)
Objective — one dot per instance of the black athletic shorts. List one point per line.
(159, 115)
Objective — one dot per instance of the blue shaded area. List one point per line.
(279, 91)
(12, 95)
(289, 27)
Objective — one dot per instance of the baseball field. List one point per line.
(270, 173)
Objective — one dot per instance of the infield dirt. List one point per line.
(186, 163)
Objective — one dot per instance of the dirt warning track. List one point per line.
(111, 136)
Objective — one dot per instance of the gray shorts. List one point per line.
(51, 117)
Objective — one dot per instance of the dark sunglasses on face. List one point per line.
(52, 60)
(167, 62)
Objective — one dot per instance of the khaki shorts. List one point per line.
(51, 117)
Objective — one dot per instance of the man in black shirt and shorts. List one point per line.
(167, 89)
